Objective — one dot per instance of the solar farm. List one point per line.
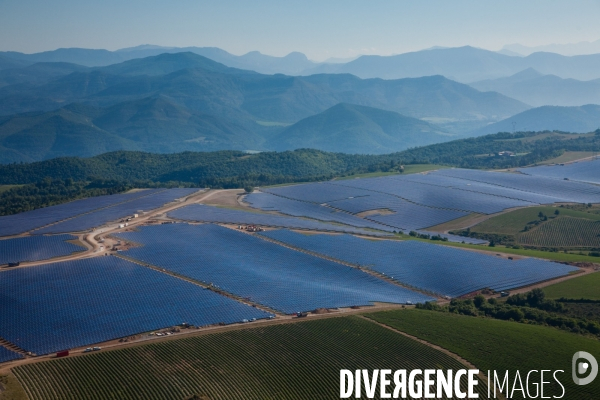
(584, 171)
(106, 269)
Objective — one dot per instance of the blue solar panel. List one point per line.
(26, 221)
(481, 187)
(439, 269)
(202, 213)
(76, 303)
(584, 171)
(263, 272)
(101, 217)
(269, 202)
(8, 355)
(435, 196)
(34, 248)
(565, 191)
(316, 192)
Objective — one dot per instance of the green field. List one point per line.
(582, 287)
(500, 345)
(569, 156)
(563, 232)
(291, 361)
(512, 223)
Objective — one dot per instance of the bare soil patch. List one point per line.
(380, 211)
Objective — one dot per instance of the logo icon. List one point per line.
(579, 367)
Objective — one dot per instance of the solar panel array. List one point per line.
(420, 201)
(435, 196)
(34, 248)
(564, 191)
(585, 171)
(480, 187)
(26, 221)
(8, 355)
(101, 217)
(263, 272)
(76, 303)
(203, 213)
(269, 202)
(439, 269)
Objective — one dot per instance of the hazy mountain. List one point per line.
(531, 87)
(183, 101)
(206, 86)
(465, 64)
(566, 49)
(150, 124)
(290, 64)
(353, 129)
(567, 119)
(7, 63)
(37, 73)
(54, 134)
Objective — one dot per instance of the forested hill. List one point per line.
(238, 169)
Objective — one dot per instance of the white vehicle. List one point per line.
(97, 348)
(87, 350)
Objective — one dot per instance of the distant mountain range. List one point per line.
(51, 105)
(292, 64)
(566, 49)
(353, 129)
(582, 119)
(536, 89)
(463, 64)
(183, 101)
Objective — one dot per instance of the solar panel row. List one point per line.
(435, 196)
(261, 271)
(584, 171)
(26, 221)
(34, 248)
(101, 217)
(565, 191)
(439, 269)
(76, 303)
(203, 213)
(269, 202)
(8, 355)
(481, 187)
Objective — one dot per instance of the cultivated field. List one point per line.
(564, 232)
(583, 287)
(292, 361)
(500, 345)
(514, 222)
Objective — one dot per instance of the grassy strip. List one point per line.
(548, 255)
(583, 287)
(408, 169)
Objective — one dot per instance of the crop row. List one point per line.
(564, 232)
(291, 361)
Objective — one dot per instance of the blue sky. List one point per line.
(320, 29)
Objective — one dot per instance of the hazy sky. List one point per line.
(320, 29)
